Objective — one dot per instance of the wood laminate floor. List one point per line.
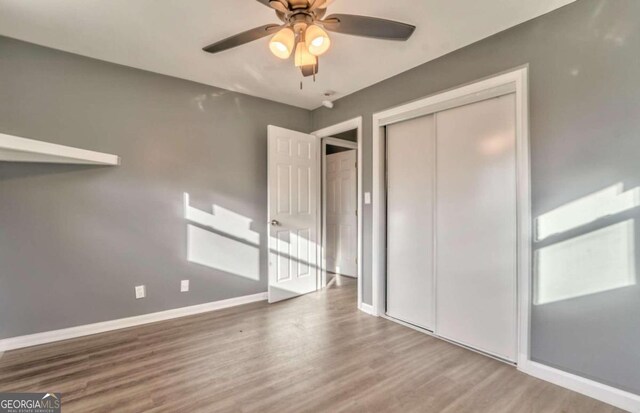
(316, 353)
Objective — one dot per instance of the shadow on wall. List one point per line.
(16, 170)
(222, 240)
(598, 261)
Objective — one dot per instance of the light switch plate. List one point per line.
(184, 286)
(367, 198)
(141, 291)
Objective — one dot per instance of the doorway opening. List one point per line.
(341, 205)
(339, 208)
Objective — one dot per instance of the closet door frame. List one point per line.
(515, 81)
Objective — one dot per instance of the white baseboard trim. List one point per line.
(367, 308)
(89, 329)
(611, 395)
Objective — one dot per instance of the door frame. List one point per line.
(323, 134)
(515, 81)
(323, 225)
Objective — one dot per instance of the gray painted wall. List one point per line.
(584, 62)
(74, 240)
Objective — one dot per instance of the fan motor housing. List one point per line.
(300, 21)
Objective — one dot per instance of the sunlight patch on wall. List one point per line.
(230, 246)
(222, 220)
(222, 253)
(609, 201)
(598, 261)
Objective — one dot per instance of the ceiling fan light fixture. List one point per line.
(317, 40)
(281, 44)
(303, 57)
(303, 31)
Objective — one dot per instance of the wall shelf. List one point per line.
(15, 149)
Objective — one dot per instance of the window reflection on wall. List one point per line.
(609, 201)
(588, 263)
(222, 240)
(598, 261)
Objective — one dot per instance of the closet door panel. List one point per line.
(476, 226)
(410, 204)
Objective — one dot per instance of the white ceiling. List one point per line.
(166, 36)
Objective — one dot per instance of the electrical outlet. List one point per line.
(367, 198)
(141, 291)
(184, 286)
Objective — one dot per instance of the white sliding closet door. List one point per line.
(410, 204)
(476, 226)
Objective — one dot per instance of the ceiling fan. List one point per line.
(303, 31)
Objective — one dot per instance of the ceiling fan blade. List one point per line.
(368, 27)
(267, 3)
(280, 5)
(316, 4)
(282, 16)
(242, 38)
(319, 4)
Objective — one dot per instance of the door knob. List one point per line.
(274, 222)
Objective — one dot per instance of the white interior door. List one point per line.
(410, 205)
(476, 226)
(342, 221)
(293, 171)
